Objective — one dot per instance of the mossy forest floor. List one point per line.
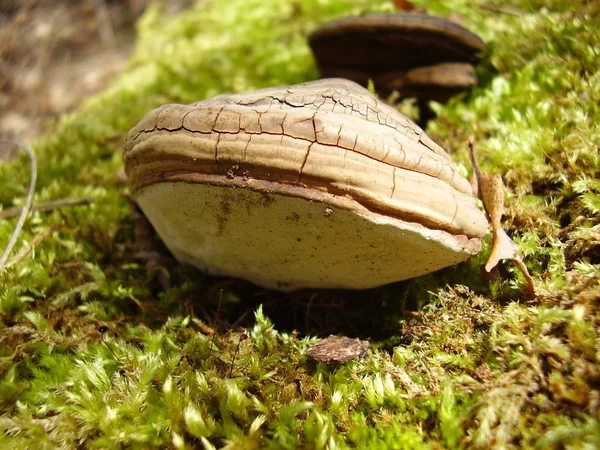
(96, 353)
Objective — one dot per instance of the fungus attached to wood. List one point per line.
(313, 185)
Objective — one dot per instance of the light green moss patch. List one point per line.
(96, 353)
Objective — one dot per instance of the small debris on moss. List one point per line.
(337, 349)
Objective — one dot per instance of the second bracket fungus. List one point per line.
(416, 55)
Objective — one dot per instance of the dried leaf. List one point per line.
(490, 188)
(337, 349)
(404, 5)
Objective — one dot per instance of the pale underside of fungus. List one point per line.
(313, 185)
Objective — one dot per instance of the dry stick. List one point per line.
(241, 318)
(307, 314)
(28, 201)
(243, 337)
(45, 207)
(31, 246)
(502, 9)
(216, 323)
(476, 172)
(105, 27)
(104, 341)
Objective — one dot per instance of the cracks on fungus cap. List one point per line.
(218, 138)
(316, 101)
(351, 153)
(355, 105)
(308, 149)
(295, 136)
(453, 221)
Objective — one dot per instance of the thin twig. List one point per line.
(241, 318)
(45, 207)
(476, 171)
(31, 246)
(212, 342)
(105, 342)
(28, 201)
(502, 9)
(243, 337)
(105, 28)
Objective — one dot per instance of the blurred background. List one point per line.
(54, 53)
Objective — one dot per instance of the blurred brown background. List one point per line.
(54, 53)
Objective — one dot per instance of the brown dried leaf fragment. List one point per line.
(405, 5)
(490, 189)
(337, 349)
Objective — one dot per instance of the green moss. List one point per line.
(96, 353)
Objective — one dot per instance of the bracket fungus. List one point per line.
(316, 185)
(416, 55)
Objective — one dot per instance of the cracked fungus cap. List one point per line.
(313, 185)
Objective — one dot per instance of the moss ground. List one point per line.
(96, 353)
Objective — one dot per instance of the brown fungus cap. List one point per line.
(415, 55)
(314, 185)
(379, 42)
